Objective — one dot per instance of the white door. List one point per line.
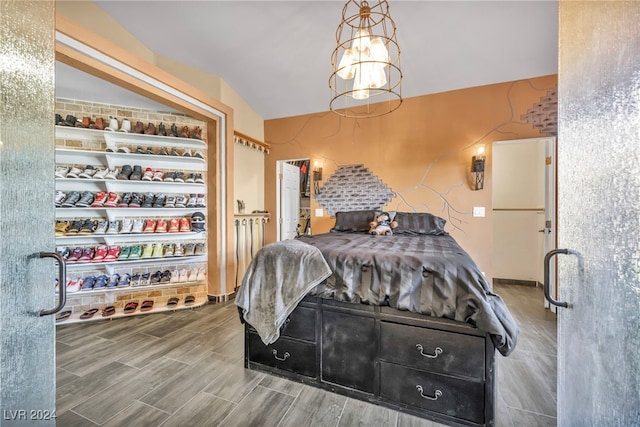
(27, 281)
(598, 214)
(549, 227)
(289, 200)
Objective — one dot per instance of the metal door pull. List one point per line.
(62, 280)
(547, 260)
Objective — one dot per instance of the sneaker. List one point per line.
(198, 179)
(169, 177)
(102, 227)
(181, 201)
(190, 178)
(126, 199)
(136, 199)
(179, 250)
(183, 275)
(70, 201)
(148, 200)
(85, 200)
(155, 277)
(149, 226)
(88, 172)
(169, 249)
(75, 226)
(170, 202)
(159, 200)
(112, 200)
(201, 274)
(61, 171)
(124, 281)
(147, 251)
(197, 222)
(88, 226)
(139, 150)
(165, 277)
(144, 279)
(135, 252)
(114, 226)
(158, 250)
(161, 226)
(101, 282)
(124, 253)
(63, 251)
(75, 254)
(189, 249)
(136, 174)
(113, 253)
(125, 172)
(74, 285)
(185, 225)
(158, 176)
(111, 174)
(62, 227)
(135, 279)
(175, 276)
(138, 225)
(174, 225)
(187, 153)
(87, 283)
(193, 201)
(200, 201)
(87, 254)
(179, 177)
(198, 154)
(163, 152)
(73, 172)
(113, 281)
(199, 249)
(148, 175)
(60, 196)
(150, 150)
(127, 225)
(101, 174)
(99, 199)
(174, 152)
(101, 252)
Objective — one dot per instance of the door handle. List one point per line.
(547, 259)
(62, 280)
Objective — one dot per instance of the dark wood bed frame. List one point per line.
(429, 367)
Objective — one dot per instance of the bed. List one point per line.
(407, 321)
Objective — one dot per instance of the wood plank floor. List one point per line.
(186, 369)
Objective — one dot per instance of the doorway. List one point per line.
(293, 196)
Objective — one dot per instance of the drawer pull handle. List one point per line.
(284, 356)
(437, 352)
(436, 394)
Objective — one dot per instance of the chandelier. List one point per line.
(365, 65)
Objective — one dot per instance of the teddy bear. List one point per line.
(382, 225)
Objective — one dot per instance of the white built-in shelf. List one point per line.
(125, 239)
(123, 138)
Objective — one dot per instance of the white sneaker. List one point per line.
(114, 227)
(60, 196)
(183, 276)
(61, 171)
(175, 276)
(113, 124)
(100, 173)
(158, 176)
(192, 275)
(111, 174)
(74, 172)
(148, 175)
(88, 172)
(126, 126)
(74, 285)
(102, 227)
(127, 226)
(138, 225)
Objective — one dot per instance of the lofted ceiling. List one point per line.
(277, 54)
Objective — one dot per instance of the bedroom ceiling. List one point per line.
(276, 54)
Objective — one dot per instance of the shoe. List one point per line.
(113, 280)
(114, 227)
(101, 173)
(158, 176)
(63, 251)
(136, 173)
(201, 274)
(124, 281)
(108, 311)
(127, 225)
(138, 128)
(192, 275)
(113, 253)
(102, 226)
(184, 132)
(161, 226)
(200, 201)
(150, 129)
(86, 122)
(174, 130)
(88, 173)
(170, 202)
(186, 153)
(89, 313)
(125, 172)
(99, 123)
(162, 131)
(60, 196)
(88, 226)
(197, 222)
(163, 152)
(101, 282)
(113, 200)
(62, 227)
(193, 201)
(198, 154)
(71, 120)
(189, 300)
(158, 251)
(126, 199)
(124, 253)
(111, 174)
(126, 126)
(183, 275)
(136, 200)
(148, 200)
(135, 252)
(63, 315)
(101, 253)
(130, 307)
(185, 225)
(113, 124)
(190, 178)
(174, 152)
(179, 177)
(165, 276)
(99, 199)
(150, 226)
(198, 179)
(61, 171)
(138, 226)
(74, 285)
(179, 250)
(87, 254)
(168, 249)
(174, 225)
(111, 148)
(169, 177)
(85, 200)
(181, 201)
(148, 174)
(147, 251)
(155, 277)
(70, 201)
(87, 283)
(139, 150)
(189, 249)
(124, 150)
(145, 279)
(150, 150)
(75, 254)
(197, 133)
(199, 249)
(159, 200)
(135, 280)
(74, 172)
(75, 226)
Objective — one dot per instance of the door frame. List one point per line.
(86, 51)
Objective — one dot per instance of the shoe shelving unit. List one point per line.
(93, 153)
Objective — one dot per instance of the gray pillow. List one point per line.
(419, 223)
(354, 221)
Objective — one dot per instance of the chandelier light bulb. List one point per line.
(378, 50)
(346, 70)
(362, 41)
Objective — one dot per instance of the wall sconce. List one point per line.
(317, 176)
(477, 168)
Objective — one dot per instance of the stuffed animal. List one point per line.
(382, 226)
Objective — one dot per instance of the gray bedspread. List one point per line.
(425, 274)
(278, 277)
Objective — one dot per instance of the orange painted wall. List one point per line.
(422, 152)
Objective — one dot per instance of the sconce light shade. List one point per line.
(317, 176)
(477, 168)
(366, 62)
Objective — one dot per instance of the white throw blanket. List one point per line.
(277, 279)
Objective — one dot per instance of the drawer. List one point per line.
(433, 350)
(438, 393)
(293, 356)
(300, 324)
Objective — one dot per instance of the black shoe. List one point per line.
(71, 200)
(174, 130)
(88, 226)
(85, 200)
(159, 200)
(162, 131)
(135, 200)
(125, 172)
(148, 200)
(126, 199)
(136, 174)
